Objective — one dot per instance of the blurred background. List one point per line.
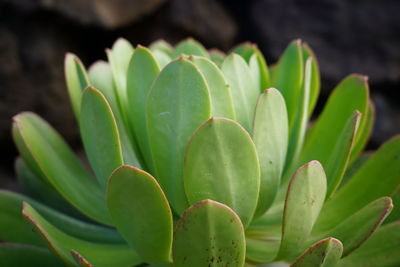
(348, 36)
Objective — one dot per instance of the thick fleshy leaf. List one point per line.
(304, 199)
(395, 214)
(142, 71)
(221, 163)
(217, 56)
(262, 242)
(209, 234)
(161, 45)
(253, 56)
(324, 253)
(149, 229)
(259, 68)
(270, 135)
(14, 229)
(62, 168)
(96, 253)
(287, 77)
(77, 80)
(364, 132)
(177, 104)
(189, 47)
(245, 91)
(350, 95)
(101, 78)
(315, 83)
(338, 162)
(82, 262)
(119, 57)
(22, 255)
(100, 135)
(40, 191)
(357, 228)
(220, 92)
(297, 129)
(376, 178)
(382, 249)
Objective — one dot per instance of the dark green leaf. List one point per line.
(61, 167)
(99, 254)
(382, 249)
(22, 255)
(77, 80)
(378, 177)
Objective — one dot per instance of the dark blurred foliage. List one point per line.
(347, 36)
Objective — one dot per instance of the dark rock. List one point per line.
(387, 122)
(204, 19)
(347, 36)
(110, 14)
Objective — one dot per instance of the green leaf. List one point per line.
(221, 164)
(350, 95)
(100, 135)
(259, 250)
(357, 228)
(315, 83)
(382, 249)
(162, 58)
(217, 56)
(364, 186)
(61, 167)
(244, 89)
(177, 104)
(287, 77)
(101, 78)
(77, 80)
(220, 92)
(297, 129)
(270, 136)
(338, 162)
(395, 214)
(217, 235)
(40, 191)
(161, 45)
(189, 47)
(142, 71)
(324, 253)
(11, 205)
(13, 228)
(364, 132)
(149, 229)
(99, 254)
(304, 199)
(80, 260)
(119, 57)
(252, 55)
(259, 68)
(22, 255)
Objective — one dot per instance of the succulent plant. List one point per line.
(197, 158)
